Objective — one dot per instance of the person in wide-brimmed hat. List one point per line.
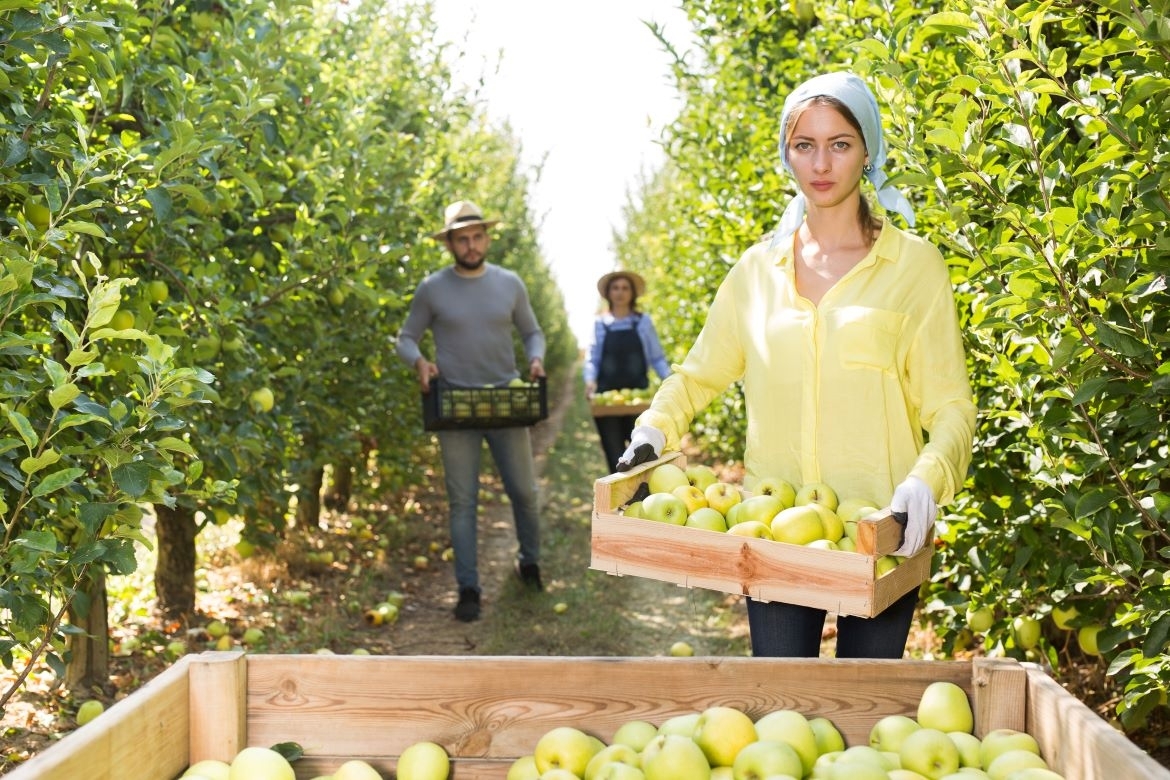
(472, 309)
(461, 214)
(843, 330)
(624, 346)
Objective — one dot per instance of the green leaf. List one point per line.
(56, 481)
(22, 426)
(133, 478)
(1093, 501)
(60, 397)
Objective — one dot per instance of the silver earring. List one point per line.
(867, 168)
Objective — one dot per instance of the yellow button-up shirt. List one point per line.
(856, 392)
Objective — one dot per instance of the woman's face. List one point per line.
(620, 291)
(827, 155)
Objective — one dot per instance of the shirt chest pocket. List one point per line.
(866, 338)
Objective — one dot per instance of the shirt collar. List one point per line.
(887, 246)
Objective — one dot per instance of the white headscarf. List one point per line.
(857, 97)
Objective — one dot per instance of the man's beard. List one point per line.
(470, 265)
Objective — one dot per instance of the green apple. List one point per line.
(904, 774)
(1087, 639)
(884, 565)
(846, 544)
(721, 732)
(799, 524)
(635, 733)
(664, 508)
(761, 508)
(774, 486)
(356, 769)
(944, 706)
(727, 773)
(682, 725)
(822, 544)
(262, 399)
(210, 768)
(834, 528)
(1026, 631)
(523, 768)
(634, 510)
(732, 515)
(691, 496)
(980, 619)
(216, 628)
(674, 757)
(681, 649)
(666, 477)
(828, 736)
(122, 320)
(1063, 616)
(616, 770)
(848, 770)
(866, 754)
(37, 213)
(999, 741)
(929, 752)
(423, 761)
(617, 753)
(751, 528)
(157, 291)
(816, 493)
(556, 773)
(176, 648)
(707, 518)
(563, 747)
(260, 763)
(767, 758)
(968, 745)
(850, 510)
(1011, 761)
(792, 728)
(722, 496)
(89, 710)
(890, 731)
(252, 636)
(701, 475)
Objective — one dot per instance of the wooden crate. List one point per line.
(488, 711)
(833, 580)
(617, 410)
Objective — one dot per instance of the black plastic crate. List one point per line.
(447, 407)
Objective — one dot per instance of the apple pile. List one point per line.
(420, 761)
(724, 743)
(625, 397)
(811, 515)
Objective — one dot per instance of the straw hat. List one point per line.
(461, 214)
(637, 281)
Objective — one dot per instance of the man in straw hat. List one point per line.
(471, 308)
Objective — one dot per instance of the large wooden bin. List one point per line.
(488, 711)
(840, 582)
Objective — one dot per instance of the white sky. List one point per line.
(588, 85)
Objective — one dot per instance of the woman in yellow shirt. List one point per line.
(844, 331)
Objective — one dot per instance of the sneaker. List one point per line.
(529, 574)
(467, 609)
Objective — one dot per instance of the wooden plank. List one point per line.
(999, 689)
(1075, 741)
(615, 490)
(219, 684)
(372, 708)
(144, 735)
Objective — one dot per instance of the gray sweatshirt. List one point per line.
(471, 319)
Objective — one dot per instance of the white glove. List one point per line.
(646, 443)
(915, 500)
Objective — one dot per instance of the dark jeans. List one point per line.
(790, 631)
(615, 436)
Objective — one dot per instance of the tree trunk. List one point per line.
(309, 501)
(89, 653)
(341, 489)
(174, 577)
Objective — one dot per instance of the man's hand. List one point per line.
(535, 369)
(590, 390)
(646, 443)
(426, 371)
(914, 500)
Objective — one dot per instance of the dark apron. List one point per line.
(623, 361)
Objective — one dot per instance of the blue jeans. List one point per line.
(791, 631)
(511, 449)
